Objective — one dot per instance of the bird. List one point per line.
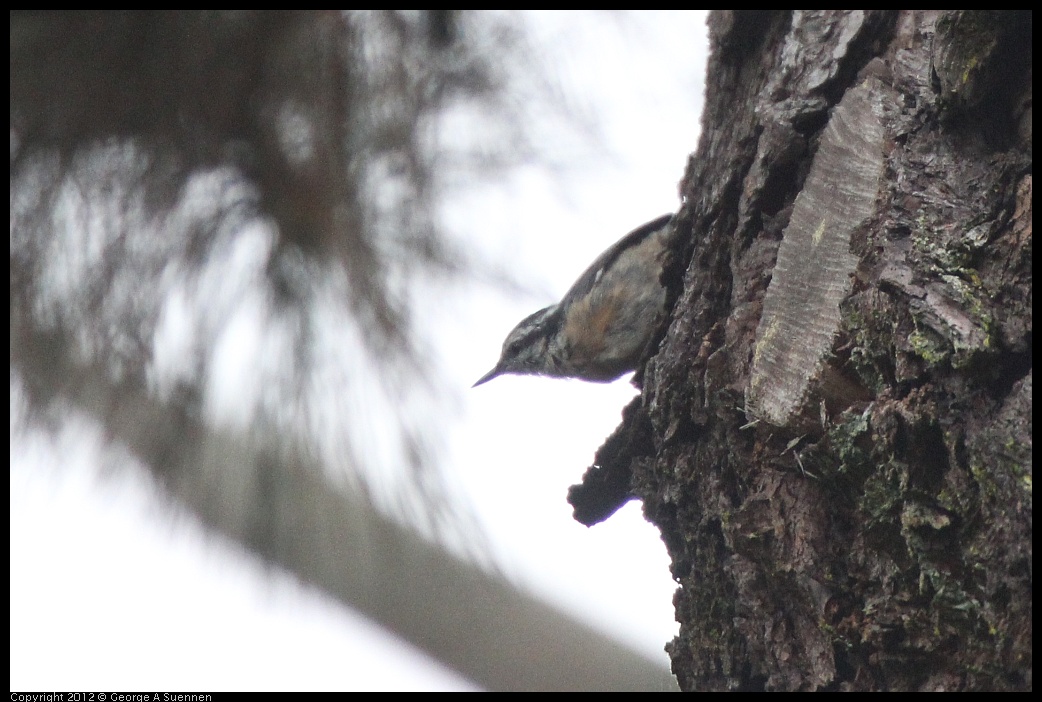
(600, 328)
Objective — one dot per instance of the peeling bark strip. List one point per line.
(792, 369)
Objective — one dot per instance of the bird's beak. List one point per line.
(489, 376)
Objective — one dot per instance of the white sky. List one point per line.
(111, 590)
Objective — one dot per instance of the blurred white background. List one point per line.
(112, 589)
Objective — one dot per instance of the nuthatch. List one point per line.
(600, 327)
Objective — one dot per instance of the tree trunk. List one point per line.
(834, 436)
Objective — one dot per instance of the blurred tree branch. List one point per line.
(268, 496)
(151, 149)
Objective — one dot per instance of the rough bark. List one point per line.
(840, 409)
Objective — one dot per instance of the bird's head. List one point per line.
(526, 350)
